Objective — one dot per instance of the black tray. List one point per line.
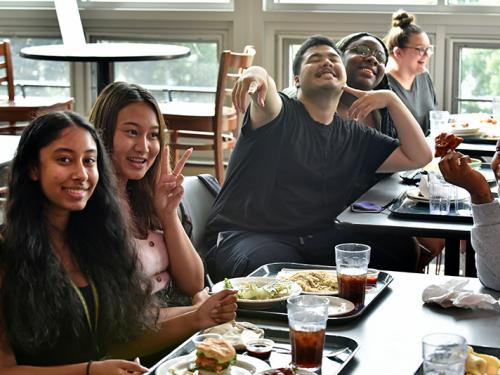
(406, 208)
(280, 356)
(483, 140)
(279, 311)
(478, 349)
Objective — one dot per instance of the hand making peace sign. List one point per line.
(168, 189)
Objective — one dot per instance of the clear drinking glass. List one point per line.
(440, 194)
(307, 316)
(462, 202)
(352, 261)
(438, 121)
(496, 108)
(444, 354)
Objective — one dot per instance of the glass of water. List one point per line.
(440, 195)
(444, 354)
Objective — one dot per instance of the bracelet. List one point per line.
(87, 372)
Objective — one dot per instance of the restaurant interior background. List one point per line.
(466, 34)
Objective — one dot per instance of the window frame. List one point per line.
(192, 5)
(359, 7)
(456, 46)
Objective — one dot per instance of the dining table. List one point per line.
(389, 332)
(105, 55)
(388, 190)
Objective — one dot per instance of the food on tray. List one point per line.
(214, 355)
(237, 333)
(279, 371)
(254, 291)
(481, 364)
(315, 281)
(463, 125)
(446, 142)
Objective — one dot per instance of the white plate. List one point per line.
(339, 306)
(296, 371)
(414, 195)
(244, 365)
(285, 273)
(294, 290)
(459, 130)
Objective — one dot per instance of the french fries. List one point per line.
(481, 364)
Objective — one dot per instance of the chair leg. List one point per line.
(219, 160)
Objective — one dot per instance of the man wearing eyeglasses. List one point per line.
(296, 162)
(410, 50)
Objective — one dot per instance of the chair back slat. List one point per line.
(231, 67)
(7, 65)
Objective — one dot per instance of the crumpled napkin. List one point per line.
(237, 333)
(453, 293)
(423, 185)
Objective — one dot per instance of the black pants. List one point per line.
(238, 253)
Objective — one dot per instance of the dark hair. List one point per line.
(103, 115)
(313, 41)
(344, 43)
(403, 27)
(37, 300)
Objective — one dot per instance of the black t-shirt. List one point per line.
(295, 175)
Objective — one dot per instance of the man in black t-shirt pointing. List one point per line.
(295, 163)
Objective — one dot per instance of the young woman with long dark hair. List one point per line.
(132, 129)
(70, 289)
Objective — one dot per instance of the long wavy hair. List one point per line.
(36, 295)
(103, 115)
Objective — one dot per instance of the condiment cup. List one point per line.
(259, 348)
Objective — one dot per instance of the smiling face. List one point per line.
(321, 69)
(136, 141)
(67, 171)
(364, 72)
(410, 58)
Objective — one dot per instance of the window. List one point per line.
(191, 78)
(443, 6)
(38, 77)
(476, 76)
(474, 2)
(290, 48)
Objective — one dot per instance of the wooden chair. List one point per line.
(216, 125)
(13, 110)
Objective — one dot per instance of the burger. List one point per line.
(214, 355)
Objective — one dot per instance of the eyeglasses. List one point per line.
(366, 51)
(423, 50)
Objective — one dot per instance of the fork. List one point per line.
(326, 353)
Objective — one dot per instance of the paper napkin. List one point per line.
(453, 293)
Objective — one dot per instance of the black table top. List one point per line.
(105, 52)
(389, 333)
(382, 193)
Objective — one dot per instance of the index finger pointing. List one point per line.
(180, 165)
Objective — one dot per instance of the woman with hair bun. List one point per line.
(410, 50)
